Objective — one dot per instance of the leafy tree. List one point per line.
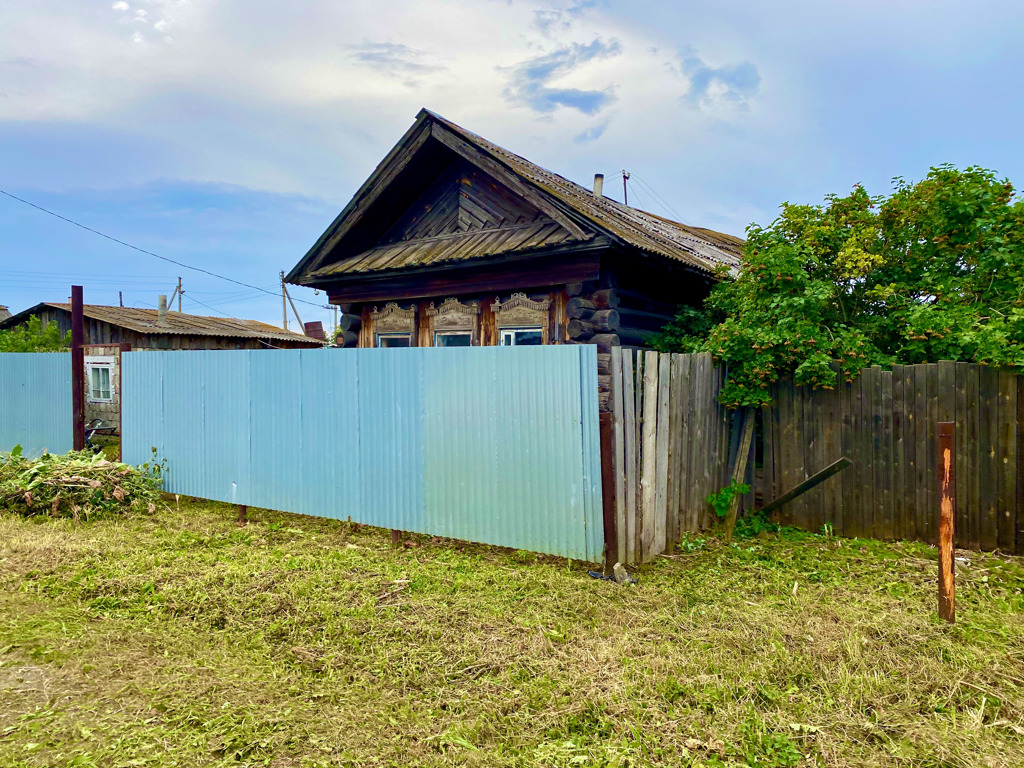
(933, 271)
(33, 337)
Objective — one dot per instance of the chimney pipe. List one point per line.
(598, 185)
(161, 310)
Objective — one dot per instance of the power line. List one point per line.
(661, 200)
(143, 250)
(197, 301)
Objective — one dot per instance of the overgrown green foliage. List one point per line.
(179, 639)
(33, 337)
(934, 271)
(721, 500)
(81, 485)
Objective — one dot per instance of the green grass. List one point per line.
(181, 639)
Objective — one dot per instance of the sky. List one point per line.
(228, 134)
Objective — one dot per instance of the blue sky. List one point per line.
(227, 134)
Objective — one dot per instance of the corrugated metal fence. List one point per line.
(495, 445)
(35, 409)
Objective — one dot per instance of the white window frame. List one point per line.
(396, 335)
(511, 331)
(439, 334)
(99, 362)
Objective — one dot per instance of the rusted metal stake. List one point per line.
(396, 537)
(947, 514)
(243, 515)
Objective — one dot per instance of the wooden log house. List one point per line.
(455, 241)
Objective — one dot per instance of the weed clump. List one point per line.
(78, 485)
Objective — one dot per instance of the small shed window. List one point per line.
(99, 375)
(521, 337)
(394, 339)
(453, 339)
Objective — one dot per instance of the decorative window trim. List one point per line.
(512, 330)
(468, 333)
(453, 315)
(521, 310)
(392, 335)
(393, 319)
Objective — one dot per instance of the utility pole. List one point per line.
(284, 304)
(77, 370)
(179, 294)
(625, 194)
(120, 298)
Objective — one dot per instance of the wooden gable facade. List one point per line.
(454, 241)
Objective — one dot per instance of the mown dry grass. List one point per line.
(180, 639)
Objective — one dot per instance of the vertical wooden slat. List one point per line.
(698, 432)
(768, 452)
(648, 478)
(1007, 461)
(922, 446)
(845, 478)
(619, 458)
(899, 506)
(1019, 505)
(676, 446)
(833, 451)
(671, 475)
(885, 462)
(785, 446)
(855, 474)
(639, 393)
(630, 466)
(663, 433)
(987, 438)
(974, 453)
(872, 476)
(687, 521)
(961, 530)
(909, 454)
(933, 465)
(945, 409)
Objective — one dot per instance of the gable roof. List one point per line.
(175, 324)
(579, 213)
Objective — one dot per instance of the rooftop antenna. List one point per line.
(625, 193)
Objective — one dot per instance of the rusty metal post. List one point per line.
(947, 514)
(243, 517)
(611, 535)
(396, 537)
(77, 369)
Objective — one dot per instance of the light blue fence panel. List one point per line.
(35, 407)
(494, 445)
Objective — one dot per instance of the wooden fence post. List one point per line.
(947, 514)
(77, 369)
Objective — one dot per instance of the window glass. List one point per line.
(521, 337)
(99, 383)
(394, 340)
(453, 339)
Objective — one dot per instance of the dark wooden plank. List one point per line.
(945, 412)
(873, 423)
(785, 450)
(922, 447)
(961, 531)
(845, 449)
(1007, 456)
(854, 514)
(988, 431)
(886, 458)
(933, 457)
(899, 507)
(1019, 505)
(974, 456)
(809, 484)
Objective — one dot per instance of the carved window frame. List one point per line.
(454, 316)
(520, 311)
(391, 321)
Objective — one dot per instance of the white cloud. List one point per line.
(120, 6)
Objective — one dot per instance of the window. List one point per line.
(99, 377)
(453, 339)
(521, 337)
(394, 339)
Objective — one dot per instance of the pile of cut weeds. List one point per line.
(78, 485)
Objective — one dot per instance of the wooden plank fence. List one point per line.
(670, 442)
(886, 423)
(673, 445)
